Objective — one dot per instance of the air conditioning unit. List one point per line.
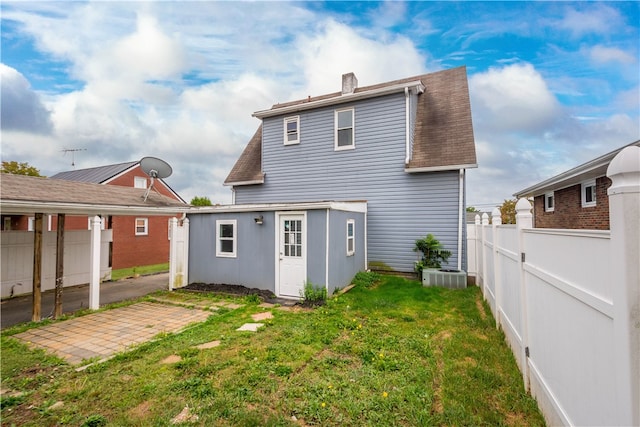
(452, 279)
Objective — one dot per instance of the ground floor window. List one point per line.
(548, 202)
(589, 193)
(351, 237)
(226, 238)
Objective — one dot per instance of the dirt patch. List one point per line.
(483, 314)
(174, 358)
(140, 411)
(234, 290)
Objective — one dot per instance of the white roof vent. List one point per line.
(349, 83)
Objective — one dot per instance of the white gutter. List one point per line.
(592, 169)
(407, 156)
(356, 96)
(23, 207)
(461, 215)
(441, 168)
(356, 206)
(253, 182)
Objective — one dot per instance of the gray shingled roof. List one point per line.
(50, 195)
(443, 133)
(97, 175)
(248, 168)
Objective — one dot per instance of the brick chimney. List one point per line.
(349, 83)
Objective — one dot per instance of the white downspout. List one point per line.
(406, 126)
(326, 256)
(461, 217)
(233, 195)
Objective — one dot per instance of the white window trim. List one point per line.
(336, 147)
(548, 196)
(139, 182)
(135, 224)
(583, 193)
(288, 120)
(351, 222)
(219, 252)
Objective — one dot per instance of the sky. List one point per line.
(552, 84)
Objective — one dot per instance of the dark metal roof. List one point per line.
(96, 175)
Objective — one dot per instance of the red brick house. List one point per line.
(575, 199)
(137, 241)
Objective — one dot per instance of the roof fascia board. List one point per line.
(233, 184)
(556, 182)
(356, 206)
(119, 174)
(21, 207)
(441, 168)
(357, 96)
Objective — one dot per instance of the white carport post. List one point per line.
(178, 253)
(94, 264)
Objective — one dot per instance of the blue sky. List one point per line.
(552, 84)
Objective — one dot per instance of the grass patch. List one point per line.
(394, 354)
(123, 273)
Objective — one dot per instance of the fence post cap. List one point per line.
(496, 216)
(523, 206)
(477, 218)
(624, 170)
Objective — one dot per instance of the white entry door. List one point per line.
(292, 255)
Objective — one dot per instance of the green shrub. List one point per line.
(312, 295)
(433, 253)
(95, 421)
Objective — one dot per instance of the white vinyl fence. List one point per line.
(16, 260)
(568, 302)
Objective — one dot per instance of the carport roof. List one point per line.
(22, 195)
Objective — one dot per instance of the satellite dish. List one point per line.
(155, 168)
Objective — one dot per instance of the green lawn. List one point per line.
(393, 354)
(142, 270)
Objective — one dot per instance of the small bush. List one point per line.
(95, 421)
(312, 295)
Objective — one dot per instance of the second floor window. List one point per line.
(139, 182)
(292, 130)
(142, 226)
(344, 129)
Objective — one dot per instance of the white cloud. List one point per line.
(514, 98)
(336, 49)
(600, 19)
(603, 54)
(22, 108)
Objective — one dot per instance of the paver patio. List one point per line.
(101, 335)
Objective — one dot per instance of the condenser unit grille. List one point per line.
(448, 279)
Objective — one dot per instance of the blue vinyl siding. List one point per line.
(343, 268)
(402, 207)
(316, 244)
(255, 251)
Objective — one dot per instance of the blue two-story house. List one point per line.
(358, 175)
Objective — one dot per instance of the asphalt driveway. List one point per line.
(18, 310)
